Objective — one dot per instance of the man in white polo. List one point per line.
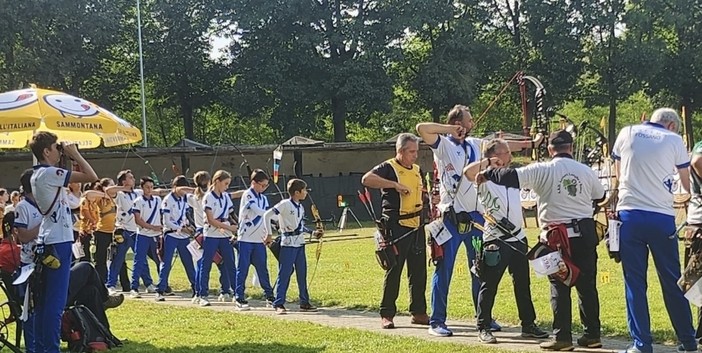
(646, 158)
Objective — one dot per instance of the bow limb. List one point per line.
(539, 123)
(319, 234)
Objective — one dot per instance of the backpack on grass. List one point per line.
(84, 332)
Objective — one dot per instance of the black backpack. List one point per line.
(84, 332)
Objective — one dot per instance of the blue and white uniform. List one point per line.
(649, 156)
(289, 215)
(198, 217)
(173, 209)
(124, 222)
(27, 216)
(252, 250)
(56, 235)
(216, 239)
(451, 156)
(149, 209)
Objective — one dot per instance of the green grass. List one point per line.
(348, 276)
(163, 328)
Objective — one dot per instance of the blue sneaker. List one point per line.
(440, 330)
(495, 327)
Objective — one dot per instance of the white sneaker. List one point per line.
(160, 297)
(195, 300)
(151, 289)
(204, 301)
(224, 297)
(112, 290)
(134, 294)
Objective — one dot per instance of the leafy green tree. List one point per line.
(302, 61)
(667, 33)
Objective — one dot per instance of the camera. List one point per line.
(507, 225)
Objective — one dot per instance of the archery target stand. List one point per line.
(344, 218)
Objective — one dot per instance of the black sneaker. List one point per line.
(242, 305)
(114, 301)
(588, 342)
(485, 336)
(533, 331)
(307, 308)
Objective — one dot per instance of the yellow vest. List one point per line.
(107, 215)
(411, 202)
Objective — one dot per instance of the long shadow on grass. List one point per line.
(133, 347)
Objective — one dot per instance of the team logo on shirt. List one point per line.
(571, 184)
(670, 183)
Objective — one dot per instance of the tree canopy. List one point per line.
(357, 70)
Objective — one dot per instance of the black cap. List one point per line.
(560, 137)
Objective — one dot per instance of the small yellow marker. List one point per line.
(347, 265)
(604, 277)
(460, 269)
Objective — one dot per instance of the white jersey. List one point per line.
(565, 187)
(173, 209)
(48, 185)
(27, 216)
(124, 201)
(500, 202)
(289, 215)
(221, 206)
(451, 157)
(251, 226)
(198, 211)
(149, 209)
(650, 156)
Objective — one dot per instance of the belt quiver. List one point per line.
(557, 240)
(461, 220)
(275, 247)
(385, 252)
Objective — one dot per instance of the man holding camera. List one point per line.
(566, 190)
(400, 181)
(55, 232)
(505, 245)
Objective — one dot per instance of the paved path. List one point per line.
(464, 332)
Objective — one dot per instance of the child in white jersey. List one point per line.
(173, 209)
(218, 233)
(124, 235)
(147, 216)
(195, 201)
(253, 238)
(290, 213)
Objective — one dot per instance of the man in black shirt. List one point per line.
(400, 181)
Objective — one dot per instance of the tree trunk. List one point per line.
(436, 114)
(611, 88)
(687, 122)
(339, 118)
(187, 112)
